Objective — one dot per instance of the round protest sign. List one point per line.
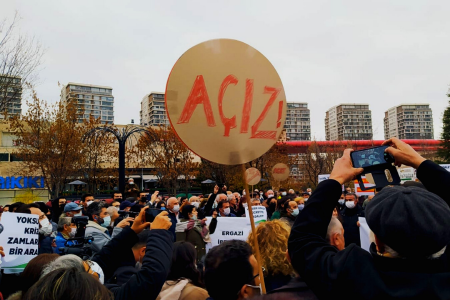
(225, 101)
(280, 172)
(252, 176)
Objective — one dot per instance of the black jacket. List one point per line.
(147, 283)
(354, 273)
(349, 219)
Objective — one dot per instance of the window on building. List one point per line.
(4, 156)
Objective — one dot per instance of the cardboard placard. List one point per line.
(252, 176)
(259, 214)
(19, 239)
(229, 228)
(280, 172)
(225, 101)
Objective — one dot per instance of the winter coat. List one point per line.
(148, 281)
(354, 273)
(182, 290)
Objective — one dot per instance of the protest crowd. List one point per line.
(310, 244)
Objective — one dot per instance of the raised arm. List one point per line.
(433, 177)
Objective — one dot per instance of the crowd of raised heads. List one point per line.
(309, 246)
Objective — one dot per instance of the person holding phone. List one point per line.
(408, 257)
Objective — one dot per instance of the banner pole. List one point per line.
(255, 238)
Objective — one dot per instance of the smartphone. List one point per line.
(151, 213)
(371, 157)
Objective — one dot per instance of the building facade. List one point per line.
(11, 92)
(409, 121)
(298, 122)
(94, 100)
(348, 121)
(153, 110)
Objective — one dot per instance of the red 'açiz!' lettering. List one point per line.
(279, 170)
(198, 95)
(229, 123)
(247, 105)
(280, 113)
(265, 134)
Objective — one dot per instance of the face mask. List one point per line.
(305, 199)
(256, 288)
(176, 208)
(163, 208)
(78, 214)
(341, 201)
(295, 212)
(106, 221)
(196, 204)
(301, 206)
(270, 196)
(194, 217)
(261, 194)
(138, 265)
(131, 182)
(283, 194)
(72, 232)
(89, 203)
(350, 204)
(226, 211)
(46, 228)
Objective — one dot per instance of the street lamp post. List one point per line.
(122, 135)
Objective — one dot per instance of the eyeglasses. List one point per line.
(263, 270)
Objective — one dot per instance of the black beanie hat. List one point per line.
(412, 221)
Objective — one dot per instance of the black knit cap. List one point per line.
(412, 221)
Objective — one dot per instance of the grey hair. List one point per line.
(395, 254)
(111, 210)
(64, 262)
(230, 197)
(63, 221)
(335, 226)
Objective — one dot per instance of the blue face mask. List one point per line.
(301, 206)
(295, 212)
(106, 221)
(162, 208)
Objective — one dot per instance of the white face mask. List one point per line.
(226, 211)
(283, 194)
(341, 201)
(72, 232)
(270, 196)
(350, 204)
(196, 204)
(46, 227)
(132, 182)
(78, 214)
(176, 208)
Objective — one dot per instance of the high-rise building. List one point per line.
(409, 121)
(348, 121)
(298, 122)
(153, 110)
(95, 100)
(11, 93)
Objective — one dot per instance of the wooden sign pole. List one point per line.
(252, 222)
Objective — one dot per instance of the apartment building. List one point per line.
(409, 121)
(348, 121)
(153, 110)
(298, 122)
(10, 96)
(94, 100)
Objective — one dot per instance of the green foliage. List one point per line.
(444, 149)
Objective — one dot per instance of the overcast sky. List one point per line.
(326, 52)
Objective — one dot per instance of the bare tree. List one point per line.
(20, 58)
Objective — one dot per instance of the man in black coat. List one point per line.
(414, 266)
(349, 216)
(148, 281)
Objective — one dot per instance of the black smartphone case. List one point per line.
(379, 176)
